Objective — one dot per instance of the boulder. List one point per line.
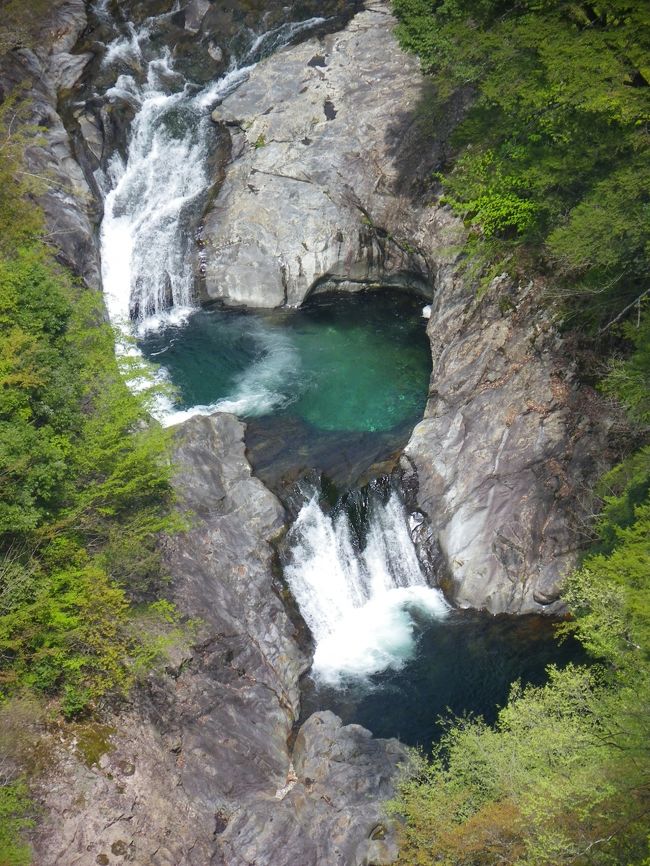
(311, 196)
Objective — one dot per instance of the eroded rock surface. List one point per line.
(509, 447)
(40, 74)
(200, 769)
(312, 195)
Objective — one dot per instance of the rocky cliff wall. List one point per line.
(40, 74)
(202, 768)
(312, 197)
(328, 145)
(508, 451)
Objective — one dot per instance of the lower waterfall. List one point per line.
(358, 595)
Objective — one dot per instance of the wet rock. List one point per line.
(92, 133)
(195, 12)
(65, 70)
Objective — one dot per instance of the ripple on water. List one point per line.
(335, 386)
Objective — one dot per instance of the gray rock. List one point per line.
(65, 69)
(331, 811)
(70, 209)
(199, 769)
(215, 52)
(195, 12)
(311, 195)
(506, 451)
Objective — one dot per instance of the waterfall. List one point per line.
(146, 232)
(154, 197)
(358, 599)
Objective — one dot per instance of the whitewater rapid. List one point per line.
(153, 199)
(358, 600)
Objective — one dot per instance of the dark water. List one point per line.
(465, 664)
(335, 386)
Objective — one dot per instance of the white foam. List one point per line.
(125, 48)
(223, 86)
(358, 604)
(267, 42)
(146, 241)
(267, 384)
(376, 636)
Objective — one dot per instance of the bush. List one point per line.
(552, 160)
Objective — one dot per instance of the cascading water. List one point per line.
(154, 196)
(358, 599)
(146, 232)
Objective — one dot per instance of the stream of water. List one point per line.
(332, 388)
(358, 597)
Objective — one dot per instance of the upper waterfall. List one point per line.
(155, 195)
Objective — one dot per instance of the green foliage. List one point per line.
(18, 29)
(85, 475)
(87, 481)
(553, 157)
(15, 807)
(19, 223)
(629, 378)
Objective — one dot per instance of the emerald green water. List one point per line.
(335, 385)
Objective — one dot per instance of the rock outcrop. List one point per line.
(39, 75)
(200, 770)
(311, 196)
(508, 449)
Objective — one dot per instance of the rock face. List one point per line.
(323, 133)
(71, 212)
(200, 770)
(311, 195)
(509, 446)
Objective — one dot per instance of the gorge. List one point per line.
(371, 495)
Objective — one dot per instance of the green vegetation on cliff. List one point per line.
(84, 491)
(551, 173)
(551, 163)
(85, 474)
